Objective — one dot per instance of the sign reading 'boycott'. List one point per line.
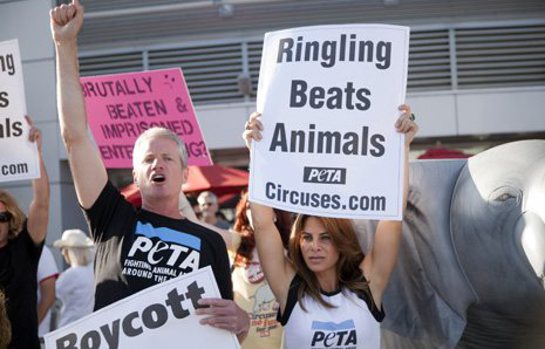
(329, 100)
(19, 158)
(161, 316)
(120, 107)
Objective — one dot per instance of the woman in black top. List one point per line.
(21, 242)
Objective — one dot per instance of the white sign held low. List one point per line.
(161, 316)
(19, 159)
(329, 98)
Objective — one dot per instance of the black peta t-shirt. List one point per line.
(137, 249)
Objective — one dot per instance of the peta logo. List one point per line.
(172, 255)
(166, 246)
(326, 175)
(333, 335)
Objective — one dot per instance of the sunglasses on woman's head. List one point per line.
(4, 217)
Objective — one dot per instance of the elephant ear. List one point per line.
(428, 294)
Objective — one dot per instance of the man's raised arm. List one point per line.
(86, 165)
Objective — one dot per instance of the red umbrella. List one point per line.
(218, 179)
(443, 153)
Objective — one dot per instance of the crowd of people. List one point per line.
(278, 273)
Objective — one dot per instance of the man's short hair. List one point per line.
(159, 132)
(202, 196)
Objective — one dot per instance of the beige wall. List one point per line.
(28, 21)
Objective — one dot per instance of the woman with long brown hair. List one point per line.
(5, 326)
(251, 290)
(329, 292)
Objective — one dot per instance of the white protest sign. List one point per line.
(161, 316)
(19, 157)
(329, 98)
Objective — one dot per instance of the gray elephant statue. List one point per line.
(470, 272)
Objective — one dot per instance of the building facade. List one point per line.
(476, 67)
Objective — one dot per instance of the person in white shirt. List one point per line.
(47, 276)
(329, 292)
(75, 286)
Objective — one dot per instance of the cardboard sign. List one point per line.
(162, 316)
(122, 106)
(19, 157)
(329, 99)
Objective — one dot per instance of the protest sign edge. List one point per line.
(36, 159)
(207, 271)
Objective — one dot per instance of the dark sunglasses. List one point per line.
(4, 217)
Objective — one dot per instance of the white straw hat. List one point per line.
(73, 238)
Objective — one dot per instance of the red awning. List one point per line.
(216, 178)
(222, 181)
(443, 153)
(132, 194)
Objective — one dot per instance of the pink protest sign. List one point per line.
(122, 106)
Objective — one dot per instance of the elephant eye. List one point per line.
(505, 195)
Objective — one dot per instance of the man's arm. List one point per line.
(223, 312)
(38, 211)
(86, 165)
(47, 297)
(47, 276)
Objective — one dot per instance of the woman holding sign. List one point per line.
(329, 292)
(21, 242)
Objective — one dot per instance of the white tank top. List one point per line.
(353, 323)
